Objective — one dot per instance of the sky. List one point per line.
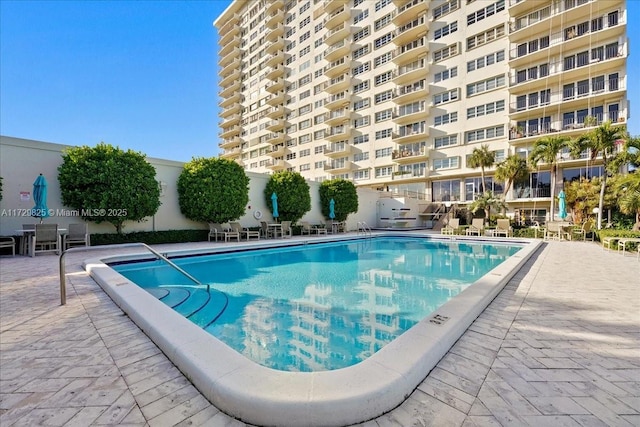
(140, 75)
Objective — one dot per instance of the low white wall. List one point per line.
(22, 160)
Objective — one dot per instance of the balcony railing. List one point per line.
(541, 129)
(556, 8)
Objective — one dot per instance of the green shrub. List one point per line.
(292, 190)
(213, 190)
(344, 195)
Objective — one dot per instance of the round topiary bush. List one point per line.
(292, 190)
(344, 195)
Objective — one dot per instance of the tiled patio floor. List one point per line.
(559, 346)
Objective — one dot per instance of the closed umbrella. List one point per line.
(562, 205)
(332, 209)
(274, 203)
(40, 209)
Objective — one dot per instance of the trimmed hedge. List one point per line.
(150, 237)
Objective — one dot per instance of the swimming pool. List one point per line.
(264, 396)
(318, 307)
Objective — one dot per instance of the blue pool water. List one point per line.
(322, 306)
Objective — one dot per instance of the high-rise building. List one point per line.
(396, 94)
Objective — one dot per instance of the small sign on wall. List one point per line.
(25, 196)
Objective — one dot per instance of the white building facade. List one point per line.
(395, 95)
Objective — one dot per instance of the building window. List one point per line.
(483, 13)
(445, 141)
(485, 85)
(385, 133)
(446, 52)
(360, 139)
(445, 8)
(384, 115)
(444, 97)
(444, 191)
(485, 37)
(445, 119)
(446, 74)
(381, 41)
(482, 134)
(383, 152)
(384, 171)
(445, 31)
(446, 163)
(483, 110)
(485, 61)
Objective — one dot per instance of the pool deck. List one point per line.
(560, 345)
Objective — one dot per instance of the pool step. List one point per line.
(175, 296)
(198, 305)
(210, 312)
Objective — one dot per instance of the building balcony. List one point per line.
(412, 116)
(275, 138)
(232, 69)
(230, 132)
(410, 174)
(553, 15)
(228, 80)
(274, 18)
(578, 97)
(232, 88)
(337, 133)
(277, 151)
(336, 151)
(338, 100)
(234, 43)
(274, 5)
(329, 6)
(275, 59)
(277, 164)
(276, 99)
(229, 57)
(275, 86)
(408, 10)
(234, 98)
(273, 34)
(225, 39)
(274, 46)
(535, 49)
(341, 32)
(337, 50)
(407, 156)
(411, 30)
(233, 23)
(229, 143)
(337, 117)
(276, 112)
(337, 17)
(339, 167)
(231, 120)
(411, 72)
(231, 154)
(274, 73)
(404, 136)
(276, 125)
(412, 92)
(410, 52)
(233, 109)
(338, 84)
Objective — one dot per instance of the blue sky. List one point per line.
(141, 75)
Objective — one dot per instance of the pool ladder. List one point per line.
(63, 276)
(364, 228)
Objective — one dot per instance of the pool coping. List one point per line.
(264, 396)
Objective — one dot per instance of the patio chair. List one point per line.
(217, 231)
(451, 227)
(8, 242)
(320, 229)
(305, 228)
(78, 236)
(235, 226)
(585, 230)
(286, 229)
(476, 228)
(27, 233)
(503, 228)
(556, 231)
(45, 239)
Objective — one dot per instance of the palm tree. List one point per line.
(601, 141)
(485, 202)
(482, 158)
(513, 168)
(547, 150)
(629, 201)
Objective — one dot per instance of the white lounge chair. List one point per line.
(452, 227)
(476, 228)
(78, 236)
(45, 239)
(503, 228)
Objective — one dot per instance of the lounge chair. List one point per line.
(78, 236)
(503, 228)
(320, 229)
(476, 228)
(452, 227)
(556, 231)
(584, 231)
(45, 239)
(235, 226)
(8, 242)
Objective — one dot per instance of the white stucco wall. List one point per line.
(22, 160)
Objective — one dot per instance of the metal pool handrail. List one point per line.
(364, 227)
(63, 277)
